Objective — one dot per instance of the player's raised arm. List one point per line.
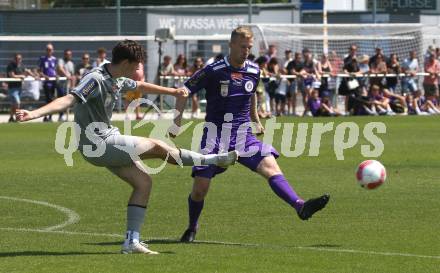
(59, 105)
(149, 88)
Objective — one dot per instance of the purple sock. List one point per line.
(195, 209)
(281, 187)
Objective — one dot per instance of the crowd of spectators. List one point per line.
(320, 81)
(369, 85)
(45, 77)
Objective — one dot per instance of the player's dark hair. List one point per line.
(128, 50)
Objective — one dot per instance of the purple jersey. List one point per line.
(421, 101)
(228, 90)
(314, 105)
(378, 97)
(48, 65)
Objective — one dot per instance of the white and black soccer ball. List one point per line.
(371, 174)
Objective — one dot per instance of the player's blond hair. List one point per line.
(242, 32)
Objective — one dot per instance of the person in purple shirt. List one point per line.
(47, 65)
(230, 86)
(314, 103)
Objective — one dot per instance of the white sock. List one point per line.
(131, 236)
(190, 158)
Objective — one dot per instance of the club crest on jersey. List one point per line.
(249, 86)
(224, 88)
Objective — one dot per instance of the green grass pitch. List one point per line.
(244, 226)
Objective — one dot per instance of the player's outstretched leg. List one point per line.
(153, 148)
(196, 201)
(137, 204)
(269, 168)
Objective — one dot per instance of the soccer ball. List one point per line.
(371, 174)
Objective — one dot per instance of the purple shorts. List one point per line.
(251, 151)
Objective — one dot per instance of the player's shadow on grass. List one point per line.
(151, 242)
(50, 253)
(118, 243)
(175, 241)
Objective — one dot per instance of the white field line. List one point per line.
(72, 217)
(93, 234)
(320, 249)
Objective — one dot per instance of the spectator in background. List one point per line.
(393, 67)
(288, 57)
(136, 94)
(66, 68)
(336, 62)
(31, 85)
(180, 67)
(84, 67)
(379, 67)
(364, 68)
(261, 88)
(381, 103)
(271, 53)
(352, 51)
(410, 66)
(102, 57)
(422, 106)
(48, 69)
(320, 106)
(324, 70)
(309, 76)
(273, 71)
(430, 50)
(3, 90)
(181, 70)
(197, 65)
(251, 57)
(378, 52)
(294, 68)
(430, 83)
(167, 68)
(349, 86)
(15, 70)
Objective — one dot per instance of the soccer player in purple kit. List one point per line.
(230, 86)
(47, 65)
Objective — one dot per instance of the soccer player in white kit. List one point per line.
(94, 99)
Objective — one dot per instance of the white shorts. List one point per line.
(115, 150)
